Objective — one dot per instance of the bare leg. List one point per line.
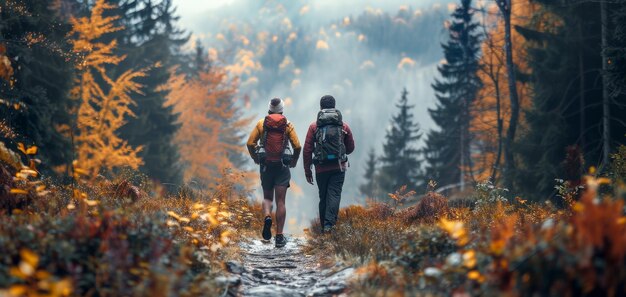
(281, 211)
(268, 197)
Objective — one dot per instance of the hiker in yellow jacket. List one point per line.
(268, 146)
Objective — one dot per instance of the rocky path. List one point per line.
(287, 271)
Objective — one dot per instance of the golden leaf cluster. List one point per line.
(25, 181)
(208, 123)
(78, 195)
(456, 230)
(209, 224)
(35, 281)
(102, 112)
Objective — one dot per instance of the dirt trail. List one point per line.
(287, 271)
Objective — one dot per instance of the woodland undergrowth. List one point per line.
(494, 244)
(123, 236)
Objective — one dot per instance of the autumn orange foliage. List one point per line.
(81, 239)
(484, 123)
(430, 208)
(496, 247)
(208, 123)
(101, 111)
(599, 222)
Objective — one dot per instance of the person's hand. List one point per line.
(293, 163)
(309, 179)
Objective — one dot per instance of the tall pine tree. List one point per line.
(152, 41)
(34, 93)
(617, 53)
(447, 149)
(369, 187)
(565, 57)
(400, 160)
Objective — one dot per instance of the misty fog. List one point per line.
(302, 50)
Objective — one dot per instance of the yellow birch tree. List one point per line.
(104, 101)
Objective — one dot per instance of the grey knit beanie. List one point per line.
(276, 105)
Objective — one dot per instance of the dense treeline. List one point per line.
(279, 44)
(524, 99)
(100, 112)
(526, 94)
(95, 82)
(388, 32)
(569, 89)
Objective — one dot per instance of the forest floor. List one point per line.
(288, 271)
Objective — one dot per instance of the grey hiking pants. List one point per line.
(330, 185)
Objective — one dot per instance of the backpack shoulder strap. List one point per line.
(286, 136)
(264, 133)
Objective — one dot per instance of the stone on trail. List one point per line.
(257, 272)
(230, 281)
(271, 291)
(287, 271)
(333, 284)
(235, 267)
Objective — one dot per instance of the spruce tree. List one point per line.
(565, 57)
(447, 151)
(617, 53)
(152, 41)
(369, 187)
(400, 160)
(34, 98)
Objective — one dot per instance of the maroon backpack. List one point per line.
(274, 139)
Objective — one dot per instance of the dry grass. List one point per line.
(119, 237)
(492, 247)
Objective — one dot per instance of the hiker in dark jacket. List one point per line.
(328, 143)
(268, 146)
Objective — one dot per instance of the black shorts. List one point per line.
(274, 175)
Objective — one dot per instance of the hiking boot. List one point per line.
(281, 241)
(328, 229)
(267, 228)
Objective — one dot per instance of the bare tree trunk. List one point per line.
(505, 8)
(581, 99)
(462, 152)
(494, 76)
(496, 163)
(606, 125)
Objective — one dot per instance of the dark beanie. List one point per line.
(327, 102)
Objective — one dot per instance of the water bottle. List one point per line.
(287, 157)
(261, 155)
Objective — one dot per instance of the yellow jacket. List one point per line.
(255, 136)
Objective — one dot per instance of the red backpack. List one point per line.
(274, 139)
